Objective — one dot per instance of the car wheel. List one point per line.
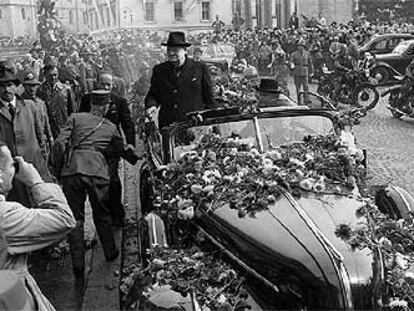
(366, 96)
(381, 74)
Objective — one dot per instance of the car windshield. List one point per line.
(402, 47)
(269, 132)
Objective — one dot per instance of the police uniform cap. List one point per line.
(100, 97)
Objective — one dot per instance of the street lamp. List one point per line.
(126, 10)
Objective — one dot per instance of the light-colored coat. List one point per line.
(25, 136)
(27, 230)
(303, 64)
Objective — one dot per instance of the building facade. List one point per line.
(272, 13)
(20, 17)
(159, 14)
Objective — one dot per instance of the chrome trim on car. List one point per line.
(239, 261)
(335, 255)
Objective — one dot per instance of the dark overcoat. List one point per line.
(177, 95)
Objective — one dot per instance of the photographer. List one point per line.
(27, 230)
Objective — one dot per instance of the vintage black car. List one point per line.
(391, 66)
(383, 44)
(294, 259)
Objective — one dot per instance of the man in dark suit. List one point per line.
(179, 85)
(120, 115)
(294, 21)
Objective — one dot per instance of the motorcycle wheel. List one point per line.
(366, 96)
(325, 88)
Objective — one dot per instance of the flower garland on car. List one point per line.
(226, 171)
(392, 243)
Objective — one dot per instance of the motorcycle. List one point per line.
(401, 98)
(357, 88)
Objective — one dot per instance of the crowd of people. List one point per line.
(63, 108)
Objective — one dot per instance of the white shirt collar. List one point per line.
(6, 104)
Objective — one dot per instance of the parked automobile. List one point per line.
(392, 65)
(288, 247)
(382, 44)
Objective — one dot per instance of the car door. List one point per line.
(406, 59)
(380, 47)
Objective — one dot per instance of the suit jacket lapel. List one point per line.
(5, 112)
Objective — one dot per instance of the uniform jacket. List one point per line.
(176, 96)
(44, 117)
(88, 157)
(118, 113)
(87, 75)
(25, 136)
(60, 103)
(303, 64)
(27, 230)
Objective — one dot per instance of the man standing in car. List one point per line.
(179, 85)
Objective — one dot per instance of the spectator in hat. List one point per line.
(79, 158)
(59, 99)
(269, 94)
(302, 67)
(294, 21)
(24, 230)
(31, 85)
(22, 131)
(179, 85)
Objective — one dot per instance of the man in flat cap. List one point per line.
(31, 85)
(79, 157)
(179, 85)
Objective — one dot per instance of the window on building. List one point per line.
(108, 16)
(149, 11)
(71, 17)
(1, 14)
(23, 13)
(178, 10)
(96, 20)
(85, 18)
(205, 10)
(91, 20)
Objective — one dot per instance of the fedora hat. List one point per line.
(30, 78)
(7, 75)
(176, 38)
(269, 85)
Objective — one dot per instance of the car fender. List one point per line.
(390, 90)
(387, 66)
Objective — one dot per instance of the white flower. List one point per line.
(401, 261)
(267, 162)
(254, 152)
(307, 184)
(397, 303)
(196, 189)
(221, 299)
(186, 214)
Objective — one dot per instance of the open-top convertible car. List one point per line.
(269, 188)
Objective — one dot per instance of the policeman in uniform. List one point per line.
(79, 157)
